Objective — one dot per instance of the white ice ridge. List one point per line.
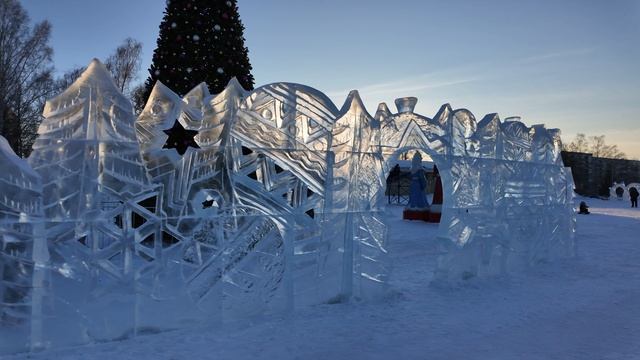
(276, 203)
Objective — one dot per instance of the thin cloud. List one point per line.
(411, 84)
(452, 77)
(555, 55)
(417, 87)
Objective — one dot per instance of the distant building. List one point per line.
(594, 175)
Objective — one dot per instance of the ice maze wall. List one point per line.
(508, 199)
(277, 203)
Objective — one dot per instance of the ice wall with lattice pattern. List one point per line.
(272, 200)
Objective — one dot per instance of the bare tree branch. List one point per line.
(595, 145)
(124, 64)
(25, 74)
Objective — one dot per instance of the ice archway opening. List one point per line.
(393, 159)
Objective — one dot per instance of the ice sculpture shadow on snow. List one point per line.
(107, 233)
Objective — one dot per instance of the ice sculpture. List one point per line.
(215, 207)
(100, 212)
(508, 200)
(618, 191)
(621, 191)
(22, 252)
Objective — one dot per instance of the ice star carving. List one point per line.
(180, 138)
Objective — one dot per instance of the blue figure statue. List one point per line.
(417, 197)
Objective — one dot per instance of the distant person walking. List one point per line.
(633, 194)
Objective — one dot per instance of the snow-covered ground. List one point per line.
(582, 308)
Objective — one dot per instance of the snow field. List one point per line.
(582, 308)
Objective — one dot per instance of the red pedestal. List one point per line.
(415, 215)
(434, 217)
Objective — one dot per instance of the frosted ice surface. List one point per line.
(273, 201)
(20, 248)
(99, 216)
(507, 196)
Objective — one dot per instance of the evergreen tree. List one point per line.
(200, 40)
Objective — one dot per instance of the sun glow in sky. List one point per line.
(571, 64)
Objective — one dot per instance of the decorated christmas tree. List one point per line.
(200, 41)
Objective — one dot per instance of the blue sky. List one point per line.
(570, 64)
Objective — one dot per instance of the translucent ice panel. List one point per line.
(216, 207)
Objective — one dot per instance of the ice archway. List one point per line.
(279, 205)
(507, 196)
(621, 191)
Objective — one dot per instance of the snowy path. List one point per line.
(584, 308)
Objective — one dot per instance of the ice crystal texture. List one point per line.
(262, 202)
